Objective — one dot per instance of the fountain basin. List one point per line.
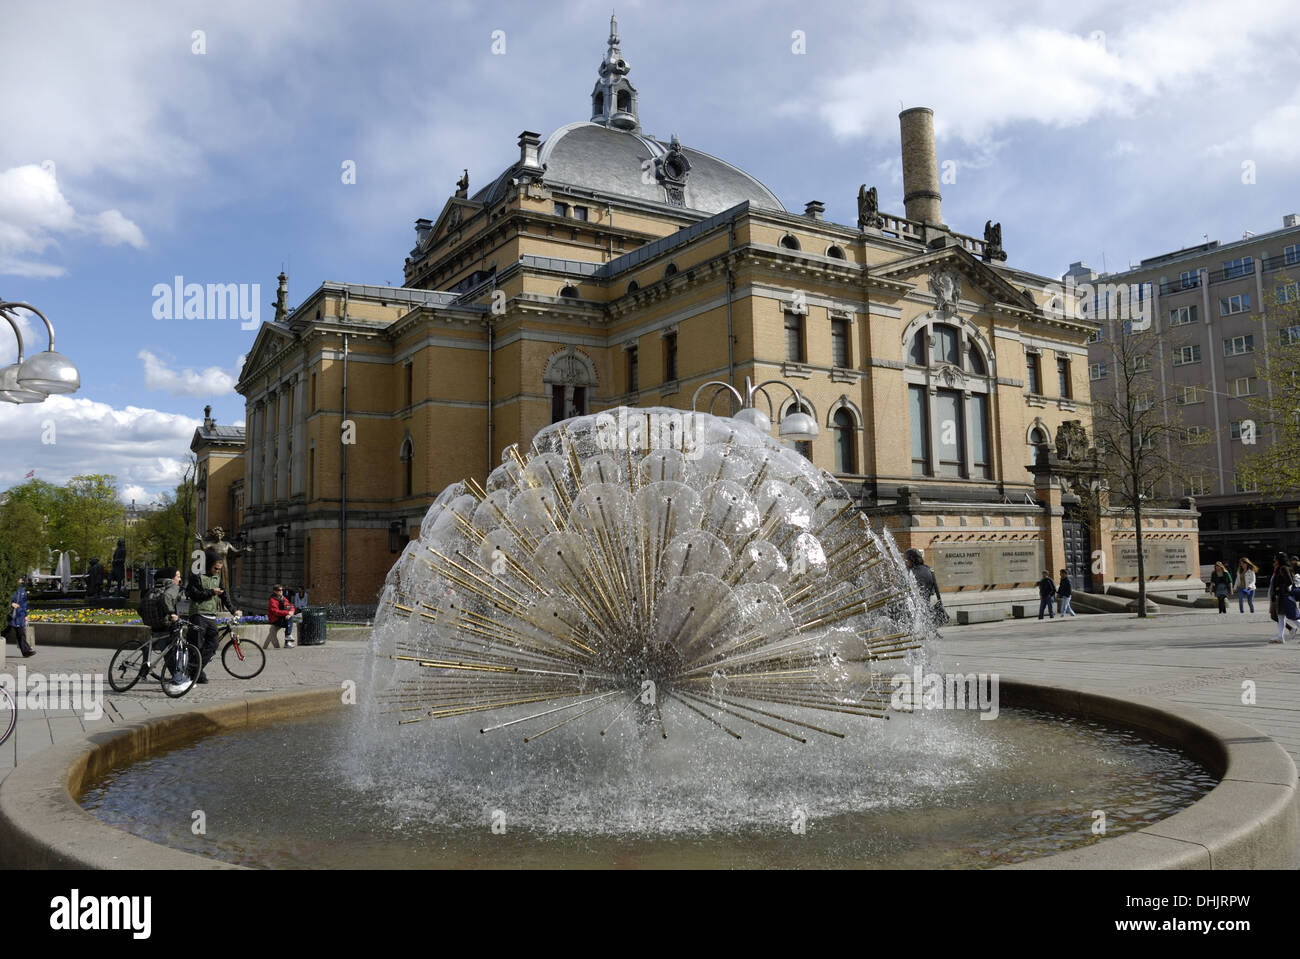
(1249, 820)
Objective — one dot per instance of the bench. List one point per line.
(967, 616)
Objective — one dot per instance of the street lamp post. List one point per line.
(796, 427)
(32, 379)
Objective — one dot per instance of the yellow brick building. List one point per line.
(605, 267)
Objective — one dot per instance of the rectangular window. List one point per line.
(580, 213)
(1097, 371)
(1291, 254)
(951, 427)
(840, 344)
(1097, 335)
(1229, 305)
(313, 392)
(561, 209)
(1140, 363)
(632, 372)
(1190, 434)
(311, 473)
(1286, 293)
(1031, 367)
(1290, 334)
(1063, 376)
(670, 357)
(1243, 386)
(979, 436)
(1242, 266)
(794, 338)
(1244, 483)
(408, 392)
(1196, 486)
(1187, 395)
(1237, 345)
(920, 430)
(1187, 354)
(1189, 279)
(1182, 316)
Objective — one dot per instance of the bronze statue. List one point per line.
(462, 185)
(868, 208)
(993, 241)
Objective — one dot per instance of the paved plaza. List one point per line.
(1199, 659)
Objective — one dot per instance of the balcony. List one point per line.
(1178, 286)
(1232, 273)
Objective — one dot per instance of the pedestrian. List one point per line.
(300, 599)
(1288, 606)
(1046, 593)
(16, 622)
(1295, 569)
(1221, 585)
(1280, 584)
(924, 577)
(1246, 571)
(170, 577)
(279, 613)
(1064, 592)
(207, 597)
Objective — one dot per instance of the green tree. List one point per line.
(88, 518)
(1273, 446)
(24, 524)
(167, 533)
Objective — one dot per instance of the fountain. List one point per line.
(680, 568)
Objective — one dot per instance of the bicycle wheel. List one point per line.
(129, 664)
(8, 714)
(191, 664)
(243, 658)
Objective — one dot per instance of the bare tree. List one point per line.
(1137, 425)
(1274, 429)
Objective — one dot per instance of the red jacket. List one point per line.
(278, 610)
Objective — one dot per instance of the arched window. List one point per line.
(846, 459)
(947, 376)
(1038, 438)
(670, 270)
(569, 292)
(598, 104)
(569, 378)
(407, 457)
(633, 286)
(789, 242)
(624, 101)
(834, 252)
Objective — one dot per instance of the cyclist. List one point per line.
(207, 596)
(170, 597)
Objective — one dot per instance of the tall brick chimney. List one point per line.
(920, 166)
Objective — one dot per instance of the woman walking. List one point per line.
(1246, 571)
(1221, 586)
(17, 624)
(1064, 592)
(1282, 594)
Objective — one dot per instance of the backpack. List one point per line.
(153, 609)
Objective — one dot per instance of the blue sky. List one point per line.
(1097, 130)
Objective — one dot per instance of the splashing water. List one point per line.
(679, 570)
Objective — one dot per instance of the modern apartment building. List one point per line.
(1210, 303)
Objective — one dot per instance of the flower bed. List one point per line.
(101, 617)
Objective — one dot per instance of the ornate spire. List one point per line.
(614, 100)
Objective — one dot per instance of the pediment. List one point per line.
(454, 213)
(270, 340)
(933, 270)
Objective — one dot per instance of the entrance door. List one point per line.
(1078, 553)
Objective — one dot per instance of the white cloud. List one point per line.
(33, 211)
(66, 436)
(211, 382)
(9, 343)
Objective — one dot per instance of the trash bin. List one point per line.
(312, 630)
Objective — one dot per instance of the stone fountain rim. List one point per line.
(1251, 819)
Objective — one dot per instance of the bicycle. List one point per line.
(135, 659)
(243, 658)
(8, 715)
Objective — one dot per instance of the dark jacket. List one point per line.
(925, 579)
(278, 610)
(18, 617)
(1046, 587)
(1220, 584)
(1065, 589)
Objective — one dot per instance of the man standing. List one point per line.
(924, 577)
(1063, 592)
(1046, 594)
(18, 619)
(207, 596)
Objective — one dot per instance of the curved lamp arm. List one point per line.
(798, 400)
(27, 306)
(17, 333)
(713, 399)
